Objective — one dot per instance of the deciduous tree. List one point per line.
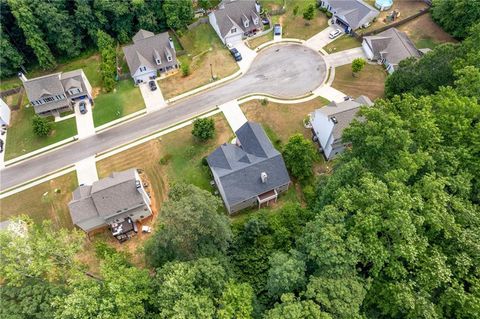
(299, 155)
(203, 128)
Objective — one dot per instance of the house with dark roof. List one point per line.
(390, 47)
(236, 19)
(350, 14)
(329, 122)
(56, 93)
(117, 201)
(149, 55)
(250, 172)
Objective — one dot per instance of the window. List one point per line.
(158, 61)
(234, 30)
(48, 99)
(169, 58)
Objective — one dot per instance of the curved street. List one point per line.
(284, 70)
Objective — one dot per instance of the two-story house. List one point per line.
(55, 93)
(329, 122)
(236, 19)
(117, 201)
(149, 55)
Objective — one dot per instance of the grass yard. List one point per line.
(124, 100)
(280, 121)
(294, 26)
(425, 33)
(253, 43)
(41, 202)
(344, 42)
(22, 140)
(370, 81)
(204, 49)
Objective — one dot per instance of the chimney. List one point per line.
(264, 177)
(22, 76)
(170, 40)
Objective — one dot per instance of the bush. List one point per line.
(357, 65)
(165, 159)
(264, 102)
(309, 13)
(204, 161)
(41, 126)
(299, 155)
(203, 129)
(329, 14)
(185, 69)
(295, 11)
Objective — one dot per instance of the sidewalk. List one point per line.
(233, 114)
(329, 93)
(345, 57)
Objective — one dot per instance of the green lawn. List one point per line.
(294, 26)
(124, 100)
(344, 42)
(20, 137)
(253, 43)
(370, 81)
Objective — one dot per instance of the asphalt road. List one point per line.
(285, 71)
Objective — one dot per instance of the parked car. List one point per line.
(265, 21)
(277, 29)
(334, 34)
(82, 106)
(1, 146)
(152, 85)
(236, 55)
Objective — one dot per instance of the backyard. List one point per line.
(206, 55)
(21, 139)
(124, 100)
(370, 81)
(46, 201)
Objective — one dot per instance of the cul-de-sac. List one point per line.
(239, 159)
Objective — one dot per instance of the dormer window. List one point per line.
(169, 58)
(158, 61)
(246, 23)
(233, 30)
(255, 19)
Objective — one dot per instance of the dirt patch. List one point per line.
(424, 32)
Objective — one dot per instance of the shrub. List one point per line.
(295, 11)
(203, 129)
(165, 159)
(309, 12)
(264, 102)
(41, 126)
(357, 65)
(185, 69)
(299, 155)
(329, 14)
(204, 161)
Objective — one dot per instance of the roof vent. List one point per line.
(334, 120)
(264, 177)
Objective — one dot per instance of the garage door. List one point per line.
(234, 38)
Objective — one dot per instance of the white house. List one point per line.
(329, 122)
(4, 113)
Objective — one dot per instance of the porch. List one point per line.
(267, 197)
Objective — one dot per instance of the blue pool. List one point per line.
(383, 4)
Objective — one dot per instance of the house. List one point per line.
(4, 113)
(149, 55)
(117, 201)
(250, 172)
(390, 47)
(350, 14)
(56, 93)
(236, 19)
(329, 122)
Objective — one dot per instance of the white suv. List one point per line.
(335, 34)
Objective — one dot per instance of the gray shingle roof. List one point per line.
(239, 167)
(107, 199)
(144, 48)
(392, 45)
(355, 12)
(43, 85)
(234, 12)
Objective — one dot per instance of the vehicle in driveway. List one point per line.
(152, 85)
(1, 146)
(236, 55)
(277, 29)
(334, 34)
(265, 21)
(82, 107)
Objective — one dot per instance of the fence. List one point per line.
(395, 24)
(10, 92)
(200, 21)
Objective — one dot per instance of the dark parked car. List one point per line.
(1, 146)
(82, 107)
(152, 85)
(265, 21)
(277, 29)
(236, 55)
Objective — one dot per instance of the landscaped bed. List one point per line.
(370, 81)
(46, 201)
(124, 100)
(21, 139)
(206, 55)
(344, 42)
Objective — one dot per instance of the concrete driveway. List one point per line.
(233, 114)
(345, 57)
(273, 72)
(321, 39)
(86, 171)
(85, 126)
(248, 55)
(153, 99)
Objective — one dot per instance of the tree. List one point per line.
(108, 68)
(468, 81)
(293, 308)
(205, 4)
(309, 12)
(236, 301)
(186, 70)
(179, 13)
(41, 126)
(38, 252)
(189, 226)
(34, 36)
(121, 293)
(203, 128)
(357, 65)
(10, 58)
(299, 155)
(450, 15)
(286, 273)
(295, 10)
